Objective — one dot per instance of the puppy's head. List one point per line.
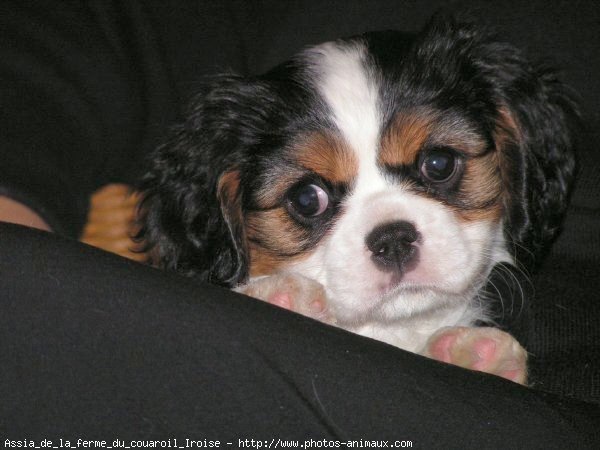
(396, 170)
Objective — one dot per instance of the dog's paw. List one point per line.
(484, 349)
(291, 291)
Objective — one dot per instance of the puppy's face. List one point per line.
(396, 171)
(394, 212)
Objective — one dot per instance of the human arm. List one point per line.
(15, 212)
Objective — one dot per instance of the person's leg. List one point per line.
(96, 346)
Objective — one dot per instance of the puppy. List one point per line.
(373, 182)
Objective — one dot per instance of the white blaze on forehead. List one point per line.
(454, 258)
(352, 94)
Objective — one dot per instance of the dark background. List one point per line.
(89, 88)
(562, 331)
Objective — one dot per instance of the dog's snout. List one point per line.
(393, 245)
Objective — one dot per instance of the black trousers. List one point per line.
(93, 346)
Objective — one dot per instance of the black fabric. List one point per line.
(86, 91)
(106, 348)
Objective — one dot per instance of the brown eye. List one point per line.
(439, 165)
(308, 200)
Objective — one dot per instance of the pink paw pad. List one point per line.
(441, 348)
(484, 349)
(516, 375)
(292, 292)
(317, 305)
(485, 353)
(281, 299)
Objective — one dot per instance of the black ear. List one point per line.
(191, 217)
(536, 133)
(533, 119)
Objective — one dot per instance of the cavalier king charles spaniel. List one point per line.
(374, 183)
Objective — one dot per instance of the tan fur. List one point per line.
(404, 139)
(328, 157)
(275, 240)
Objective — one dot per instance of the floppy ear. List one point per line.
(533, 122)
(191, 212)
(535, 134)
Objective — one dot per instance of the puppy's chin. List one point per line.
(408, 299)
(396, 302)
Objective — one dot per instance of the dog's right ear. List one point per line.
(191, 210)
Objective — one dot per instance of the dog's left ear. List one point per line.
(534, 123)
(534, 128)
(535, 134)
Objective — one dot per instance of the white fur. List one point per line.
(455, 257)
(352, 95)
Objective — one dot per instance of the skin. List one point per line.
(110, 232)
(14, 212)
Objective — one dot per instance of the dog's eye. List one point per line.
(439, 165)
(309, 200)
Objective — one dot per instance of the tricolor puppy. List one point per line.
(372, 182)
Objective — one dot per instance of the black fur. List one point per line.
(243, 124)
(233, 124)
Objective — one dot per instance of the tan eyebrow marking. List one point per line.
(402, 141)
(327, 156)
(320, 153)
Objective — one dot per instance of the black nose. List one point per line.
(392, 245)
